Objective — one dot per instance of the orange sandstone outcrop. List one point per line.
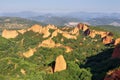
(29, 53)
(82, 27)
(9, 33)
(41, 30)
(48, 43)
(68, 36)
(60, 64)
(117, 41)
(75, 31)
(35, 28)
(54, 34)
(116, 52)
(51, 26)
(46, 32)
(107, 40)
(92, 34)
(22, 31)
(104, 34)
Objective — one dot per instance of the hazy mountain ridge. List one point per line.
(63, 18)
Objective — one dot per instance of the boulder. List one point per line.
(116, 52)
(60, 64)
(9, 33)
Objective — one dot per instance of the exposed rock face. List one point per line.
(92, 34)
(35, 28)
(51, 26)
(29, 53)
(45, 31)
(82, 27)
(107, 40)
(113, 75)
(103, 34)
(9, 33)
(22, 31)
(68, 36)
(54, 34)
(41, 30)
(116, 52)
(117, 41)
(60, 64)
(48, 43)
(75, 31)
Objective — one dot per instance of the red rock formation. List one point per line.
(60, 64)
(113, 75)
(116, 52)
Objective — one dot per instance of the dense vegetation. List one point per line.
(89, 61)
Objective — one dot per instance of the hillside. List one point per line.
(61, 19)
(58, 53)
(16, 23)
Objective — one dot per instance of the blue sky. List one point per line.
(60, 5)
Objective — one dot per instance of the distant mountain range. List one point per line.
(64, 18)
